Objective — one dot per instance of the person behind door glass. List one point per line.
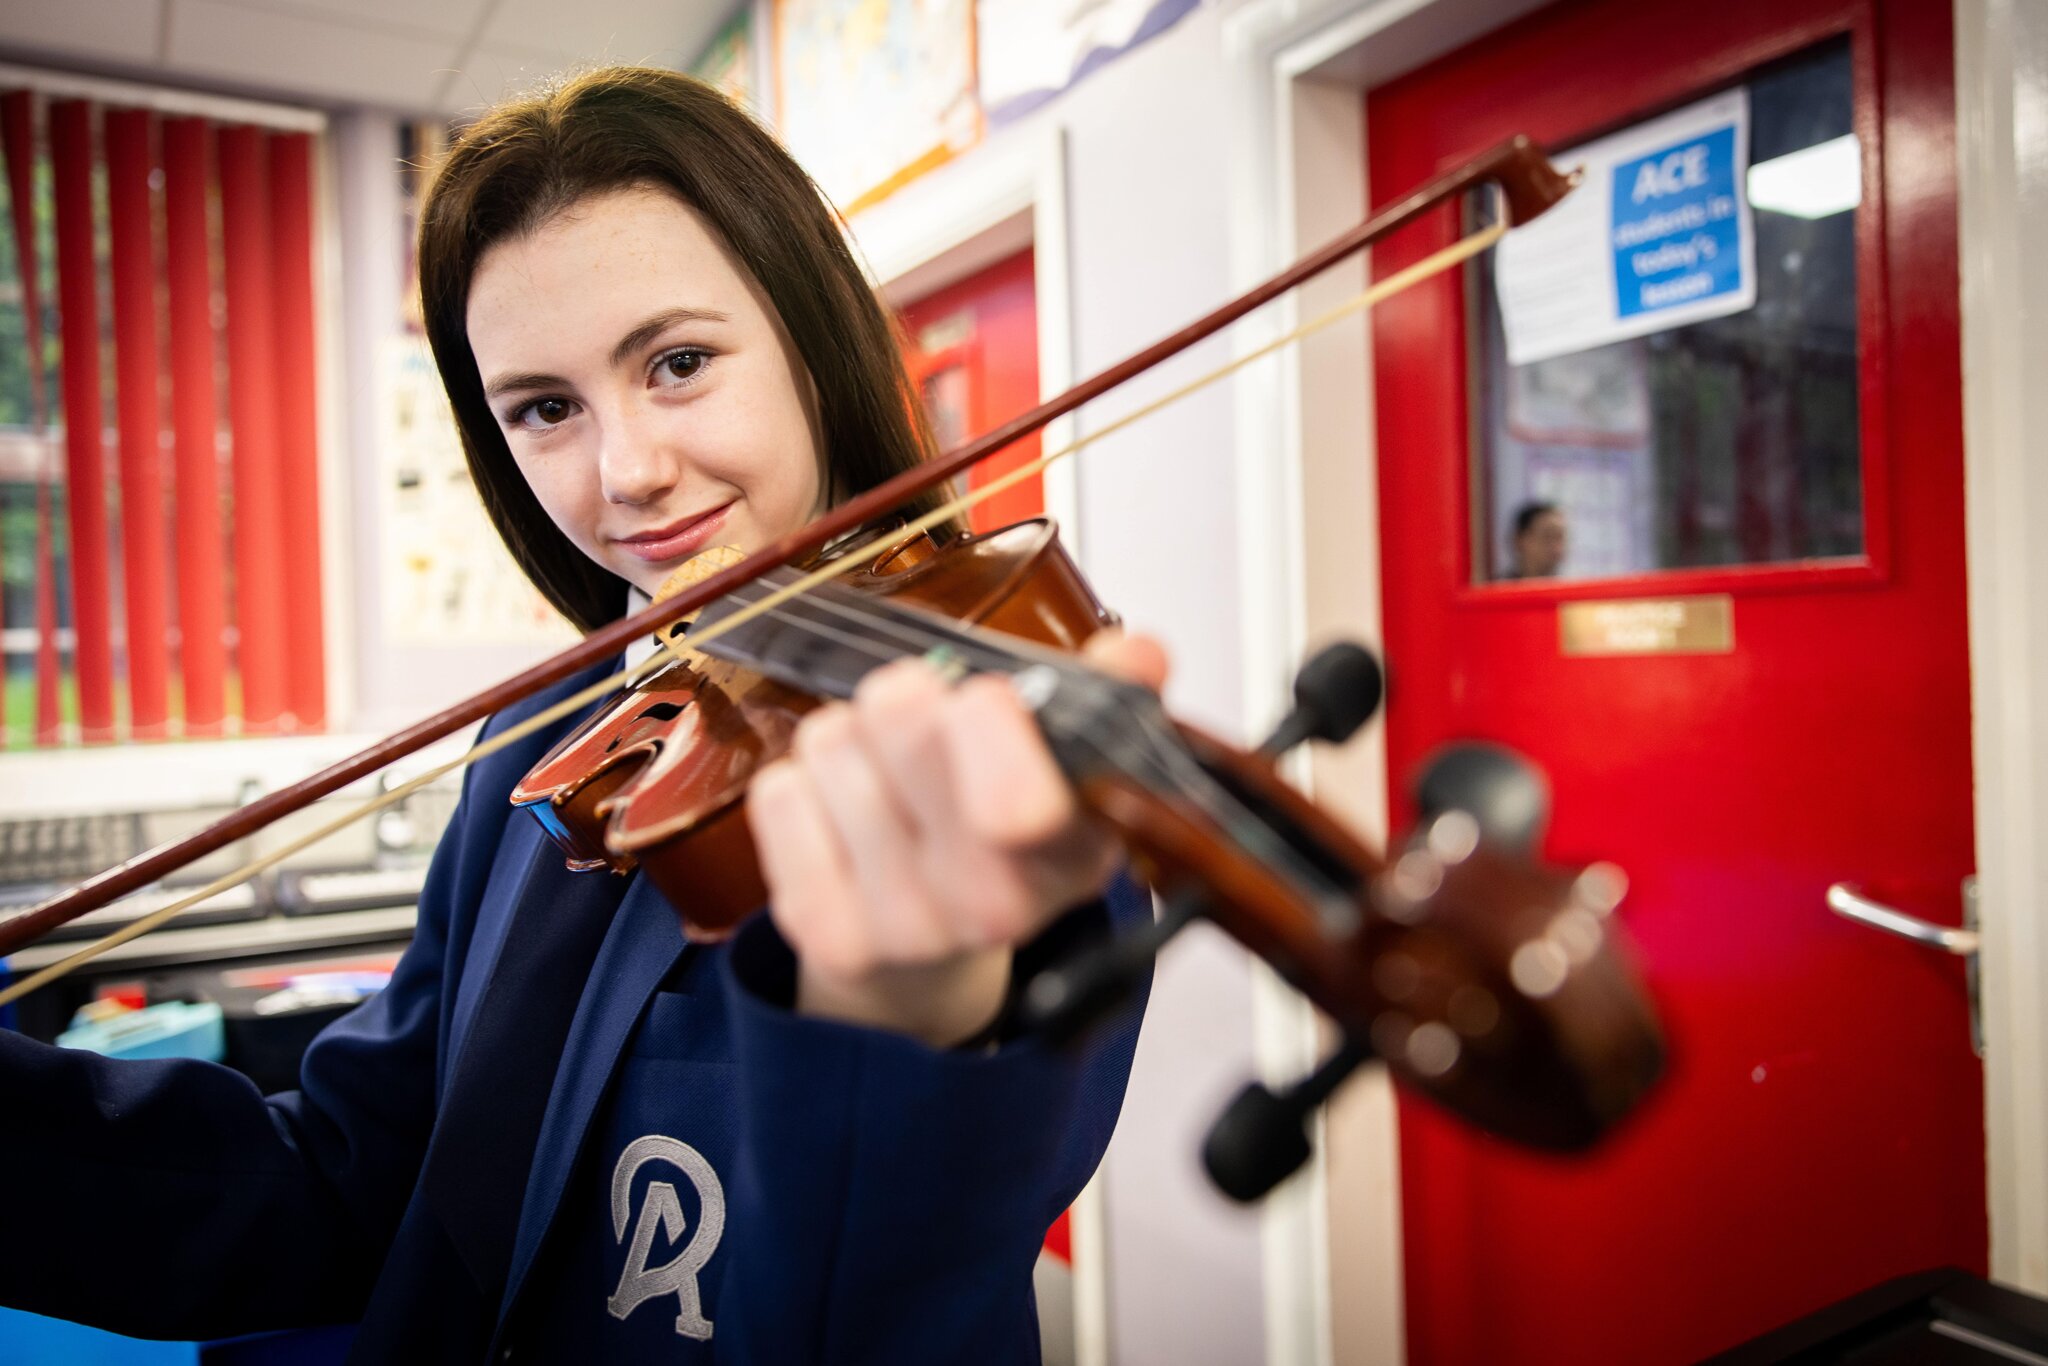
(1537, 548)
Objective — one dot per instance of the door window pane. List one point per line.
(1730, 441)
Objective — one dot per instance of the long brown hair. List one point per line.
(527, 160)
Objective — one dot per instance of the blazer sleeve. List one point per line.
(171, 1199)
(890, 1198)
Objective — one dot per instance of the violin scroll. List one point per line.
(1493, 985)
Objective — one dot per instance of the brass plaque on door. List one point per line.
(1702, 625)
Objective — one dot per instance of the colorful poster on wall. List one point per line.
(728, 60)
(1031, 51)
(871, 94)
(448, 579)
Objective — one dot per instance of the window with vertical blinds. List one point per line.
(159, 504)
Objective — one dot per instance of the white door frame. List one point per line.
(1008, 195)
(2002, 173)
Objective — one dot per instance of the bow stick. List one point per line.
(1529, 185)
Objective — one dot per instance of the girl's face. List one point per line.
(645, 384)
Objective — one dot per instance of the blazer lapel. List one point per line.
(529, 863)
(643, 944)
(486, 1138)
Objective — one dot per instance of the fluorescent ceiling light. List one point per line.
(1812, 182)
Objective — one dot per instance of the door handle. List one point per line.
(1844, 900)
(1964, 941)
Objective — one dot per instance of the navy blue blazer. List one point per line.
(805, 1191)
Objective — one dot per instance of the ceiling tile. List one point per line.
(310, 56)
(636, 31)
(489, 74)
(446, 18)
(115, 30)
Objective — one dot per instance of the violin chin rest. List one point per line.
(699, 567)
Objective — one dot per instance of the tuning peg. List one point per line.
(1499, 789)
(1261, 1138)
(1335, 693)
(1063, 1002)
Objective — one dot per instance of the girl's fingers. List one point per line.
(981, 890)
(1136, 659)
(899, 708)
(1012, 795)
(811, 889)
(867, 814)
(925, 820)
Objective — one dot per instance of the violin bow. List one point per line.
(1529, 186)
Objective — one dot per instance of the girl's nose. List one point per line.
(635, 465)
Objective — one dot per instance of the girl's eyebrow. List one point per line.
(654, 325)
(638, 336)
(505, 384)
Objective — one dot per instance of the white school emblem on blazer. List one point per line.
(662, 1210)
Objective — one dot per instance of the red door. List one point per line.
(1798, 465)
(973, 351)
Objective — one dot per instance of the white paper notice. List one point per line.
(1657, 235)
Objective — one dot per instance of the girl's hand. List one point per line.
(919, 833)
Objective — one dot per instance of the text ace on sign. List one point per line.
(1656, 236)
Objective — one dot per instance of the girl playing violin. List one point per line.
(561, 1133)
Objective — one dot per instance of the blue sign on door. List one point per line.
(1677, 231)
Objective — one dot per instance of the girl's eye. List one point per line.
(542, 413)
(684, 365)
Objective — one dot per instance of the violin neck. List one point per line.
(825, 641)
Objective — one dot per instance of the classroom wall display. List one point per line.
(1030, 51)
(728, 60)
(870, 95)
(447, 577)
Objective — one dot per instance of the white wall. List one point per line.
(1148, 251)
(2002, 180)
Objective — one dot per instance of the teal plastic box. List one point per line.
(174, 1029)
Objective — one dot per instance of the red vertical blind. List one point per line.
(145, 570)
(252, 411)
(17, 138)
(195, 426)
(239, 602)
(291, 220)
(71, 159)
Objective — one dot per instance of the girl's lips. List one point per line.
(674, 542)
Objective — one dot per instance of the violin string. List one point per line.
(1166, 756)
(1454, 254)
(881, 619)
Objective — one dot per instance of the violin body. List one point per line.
(656, 778)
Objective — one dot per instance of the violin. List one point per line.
(1489, 984)
(1493, 985)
